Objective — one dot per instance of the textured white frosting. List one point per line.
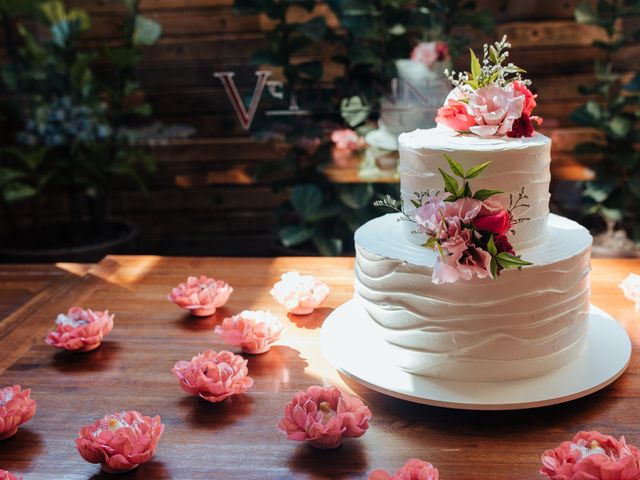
(515, 163)
(523, 324)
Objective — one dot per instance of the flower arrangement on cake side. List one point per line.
(469, 230)
(492, 98)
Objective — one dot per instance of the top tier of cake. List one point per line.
(515, 163)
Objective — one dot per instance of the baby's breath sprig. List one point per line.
(492, 70)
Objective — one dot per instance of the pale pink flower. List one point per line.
(324, 416)
(252, 331)
(347, 139)
(16, 407)
(201, 295)
(429, 53)
(631, 289)
(299, 294)
(430, 215)
(213, 375)
(120, 442)
(4, 475)
(414, 469)
(592, 456)
(495, 109)
(465, 209)
(80, 330)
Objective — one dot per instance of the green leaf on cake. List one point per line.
(476, 69)
(507, 260)
(491, 246)
(484, 194)
(456, 168)
(494, 268)
(473, 172)
(450, 183)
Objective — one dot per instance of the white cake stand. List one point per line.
(353, 347)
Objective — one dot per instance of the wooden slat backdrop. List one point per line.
(225, 213)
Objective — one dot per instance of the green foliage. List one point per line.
(75, 136)
(613, 109)
(456, 191)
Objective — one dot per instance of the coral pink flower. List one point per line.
(495, 109)
(299, 294)
(429, 53)
(120, 442)
(213, 375)
(454, 114)
(324, 416)
(529, 98)
(201, 295)
(80, 330)
(347, 139)
(16, 407)
(414, 469)
(592, 456)
(253, 331)
(4, 475)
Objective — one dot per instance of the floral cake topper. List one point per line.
(469, 230)
(492, 98)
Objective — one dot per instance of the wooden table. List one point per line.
(238, 438)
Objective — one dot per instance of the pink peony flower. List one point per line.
(495, 109)
(429, 53)
(120, 442)
(414, 469)
(430, 215)
(4, 475)
(299, 294)
(201, 295)
(213, 375)
(592, 456)
(529, 98)
(454, 114)
(16, 407)
(324, 416)
(80, 330)
(253, 331)
(347, 139)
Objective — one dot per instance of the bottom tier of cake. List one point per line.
(525, 323)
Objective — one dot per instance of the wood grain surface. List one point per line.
(238, 438)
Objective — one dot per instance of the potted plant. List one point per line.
(75, 138)
(611, 199)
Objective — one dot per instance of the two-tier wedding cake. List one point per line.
(472, 279)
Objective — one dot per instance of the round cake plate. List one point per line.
(350, 341)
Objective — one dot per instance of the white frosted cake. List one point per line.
(444, 309)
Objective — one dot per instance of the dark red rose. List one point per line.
(522, 127)
(498, 223)
(502, 244)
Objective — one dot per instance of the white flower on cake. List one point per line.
(490, 99)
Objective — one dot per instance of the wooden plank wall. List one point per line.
(226, 213)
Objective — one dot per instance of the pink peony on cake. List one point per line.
(472, 278)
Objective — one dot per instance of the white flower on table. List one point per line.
(631, 288)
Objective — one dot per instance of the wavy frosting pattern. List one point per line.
(524, 323)
(516, 163)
